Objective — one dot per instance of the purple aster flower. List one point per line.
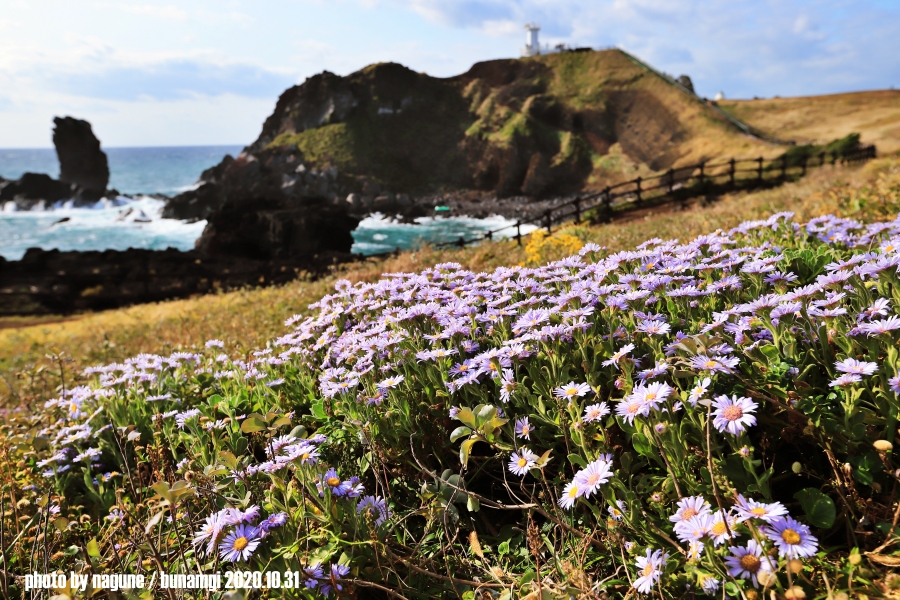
(239, 544)
(747, 561)
(390, 382)
(374, 508)
(593, 476)
(792, 538)
(630, 408)
(571, 390)
(708, 583)
(595, 412)
(694, 529)
(690, 507)
(523, 428)
(856, 367)
(720, 364)
(522, 461)
(311, 576)
(879, 308)
(734, 414)
(615, 358)
(333, 582)
(845, 380)
(508, 385)
(617, 511)
(895, 384)
(571, 493)
(699, 391)
(273, 522)
(654, 327)
(337, 487)
(650, 395)
(650, 568)
(881, 326)
(751, 509)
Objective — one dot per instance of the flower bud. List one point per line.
(661, 428)
(847, 468)
(796, 467)
(855, 558)
(766, 578)
(795, 593)
(795, 566)
(883, 445)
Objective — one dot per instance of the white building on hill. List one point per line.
(532, 46)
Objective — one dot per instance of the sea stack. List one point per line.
(81, 161)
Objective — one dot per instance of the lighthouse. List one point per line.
(532, 46)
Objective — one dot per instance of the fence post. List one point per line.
(578, 210)
(607, 204)
(519, 232)
(833, 157)
(702, 176)
(671, 175)
(638, 190)
(759, 168)
(731, 171)
(803, 167)
(548, 220)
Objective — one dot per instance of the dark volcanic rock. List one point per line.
(31, 188)
(81, 161)
(277, 229)
(50, 281)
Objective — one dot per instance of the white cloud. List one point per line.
(168, 12)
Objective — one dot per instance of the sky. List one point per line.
(209, 72)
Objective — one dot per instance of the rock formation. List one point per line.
(81, 161)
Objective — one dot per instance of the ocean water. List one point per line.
(156, 170)
(122, 223)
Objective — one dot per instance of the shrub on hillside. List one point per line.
(714, 417)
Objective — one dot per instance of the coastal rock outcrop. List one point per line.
(81, 161)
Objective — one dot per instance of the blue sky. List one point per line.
(209, 72)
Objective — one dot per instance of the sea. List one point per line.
(133, 220)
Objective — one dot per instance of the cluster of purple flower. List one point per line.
(234, 534)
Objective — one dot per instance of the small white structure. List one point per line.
(719, 96)
(532, 46)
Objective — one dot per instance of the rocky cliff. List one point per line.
(535, 127)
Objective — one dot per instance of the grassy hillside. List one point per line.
(251, 317)
(547, 124)
(818, 119)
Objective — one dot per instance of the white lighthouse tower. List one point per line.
(532, 46)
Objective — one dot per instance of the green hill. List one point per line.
(537, 126)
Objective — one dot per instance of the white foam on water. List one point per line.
(111, 223)
(379, 233)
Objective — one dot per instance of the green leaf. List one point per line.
(467, 417)
(460, 432)
(318, 410)
(162, 488)
(527, 577)
(465, 449)
(485, 414)
(298, 432)
(577, 460)
(642, 445)
(818, 507)
(253, 423)
(228, 459)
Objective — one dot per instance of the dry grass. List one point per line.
(875, 115)
(247, 319)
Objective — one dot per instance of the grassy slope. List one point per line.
(874, 114)
(249, 318)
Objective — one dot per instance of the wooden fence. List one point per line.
(683, 183)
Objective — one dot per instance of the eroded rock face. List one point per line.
(267, 229)
(81, 161)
